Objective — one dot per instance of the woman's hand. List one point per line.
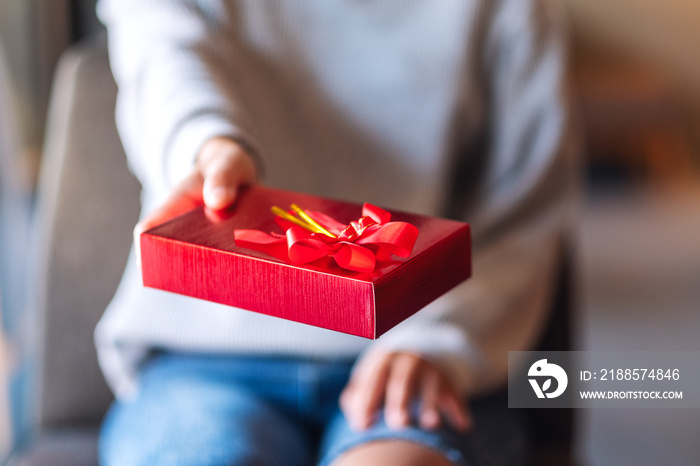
(395, 380)
(222, 167)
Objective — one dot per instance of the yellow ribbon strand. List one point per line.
(305, 221)
(290, 218)
(311, 221)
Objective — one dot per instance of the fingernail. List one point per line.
(217, 196)
(397, 419)
(357, 424)
(430, 419)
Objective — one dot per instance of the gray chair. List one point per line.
(88, 203)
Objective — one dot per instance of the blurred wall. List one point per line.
(661, 34)
(638, 81)
(34, 34)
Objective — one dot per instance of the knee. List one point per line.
(394, 452)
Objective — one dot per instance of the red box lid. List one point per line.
(195, 255)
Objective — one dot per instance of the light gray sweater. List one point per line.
(444, 107)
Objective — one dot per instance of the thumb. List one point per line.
(225, 167)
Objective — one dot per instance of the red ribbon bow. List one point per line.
(357, 246)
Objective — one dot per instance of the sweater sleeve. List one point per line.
(520, 210)
(172, 66)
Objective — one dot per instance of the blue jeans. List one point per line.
(226, 410)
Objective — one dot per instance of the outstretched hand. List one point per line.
(222, 167)
(395, 380)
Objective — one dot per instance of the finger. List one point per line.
(224, 173)
(347, 398)
(429, 416)
(400, 390)
(456, 412)
(220, 184)
(185, 196)
(362, 370)
(368, 395)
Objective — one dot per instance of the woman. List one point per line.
(443, 108)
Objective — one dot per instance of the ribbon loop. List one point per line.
(357, 246)
(354, 257)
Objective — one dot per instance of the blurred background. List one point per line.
(637, 76)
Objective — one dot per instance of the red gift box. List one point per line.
(195, 255)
